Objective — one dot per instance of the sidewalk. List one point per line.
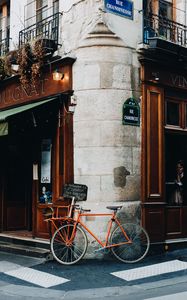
(90, 278)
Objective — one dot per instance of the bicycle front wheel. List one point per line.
(134, 251)
(69, 244)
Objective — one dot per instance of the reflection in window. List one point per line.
(172, 113)
(165, 9)
(175, 169)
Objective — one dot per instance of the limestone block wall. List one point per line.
(107, 153)
(105, 74)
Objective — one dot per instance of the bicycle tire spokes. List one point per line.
(136, 249)
(69, 244)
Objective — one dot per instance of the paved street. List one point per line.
(161, 277)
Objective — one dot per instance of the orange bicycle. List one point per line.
(128, 242)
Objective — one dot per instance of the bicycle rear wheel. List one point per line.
(68, 246)
(135, 251)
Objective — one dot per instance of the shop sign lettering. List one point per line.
(16, 94)
(179, 81)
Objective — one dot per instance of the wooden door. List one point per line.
(153, 204)
(18, 186)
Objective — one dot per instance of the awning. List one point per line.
(5, 114)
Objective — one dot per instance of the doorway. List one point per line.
(19, 150)
(18, 185)
(176, 192)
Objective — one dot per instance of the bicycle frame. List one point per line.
(69, 242)
(113, 218)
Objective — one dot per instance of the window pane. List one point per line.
(172, 113)
(165, 9)
(41, 10)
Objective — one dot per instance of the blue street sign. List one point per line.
(123, 8)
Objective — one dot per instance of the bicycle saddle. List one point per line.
(114, 207)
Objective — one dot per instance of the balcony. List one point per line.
(165, 29)
(47, 29)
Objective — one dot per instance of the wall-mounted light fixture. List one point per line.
(155, 75)
(57, 75)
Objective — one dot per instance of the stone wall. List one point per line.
(107, 153)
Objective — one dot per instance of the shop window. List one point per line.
(176, 114)
(176, 169)
(45, 177)
(172, 113)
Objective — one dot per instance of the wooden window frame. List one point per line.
(155, 7)
(182, 115)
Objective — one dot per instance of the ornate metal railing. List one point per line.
(157, 26)
(47, 28)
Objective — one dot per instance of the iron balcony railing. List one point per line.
(157, 26)
(47, 28)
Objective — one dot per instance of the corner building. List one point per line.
(111, 55)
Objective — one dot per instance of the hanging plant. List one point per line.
(12, 56)
(25, 61)
(5, 68)
(2, 69)
(8, 66)
(31, 61)
(39, 56)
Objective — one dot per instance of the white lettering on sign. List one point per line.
(132, 118)
(119, 2)
(119, 9)
(179, 81)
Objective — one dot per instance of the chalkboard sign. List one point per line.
(131, 112)
(79, 191)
